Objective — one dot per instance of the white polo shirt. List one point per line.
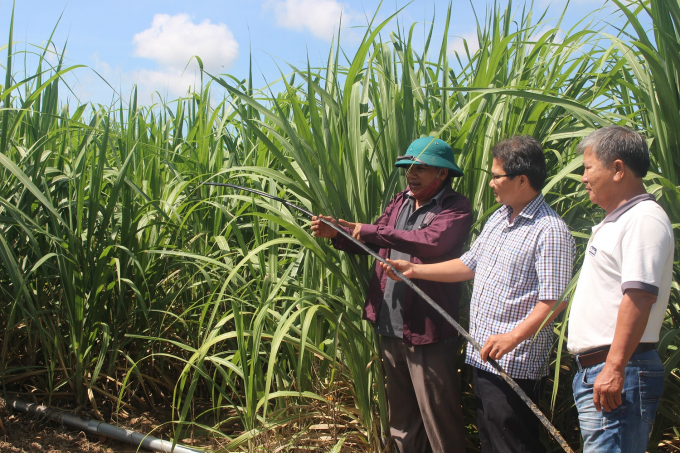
(632, 248)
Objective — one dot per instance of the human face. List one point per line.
(504, 188)
(420, 176)
(598, 179)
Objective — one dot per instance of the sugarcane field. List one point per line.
(325, 226)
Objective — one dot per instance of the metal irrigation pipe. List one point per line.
(100, 428)
(553, 431)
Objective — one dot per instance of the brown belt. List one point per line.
(599, 355)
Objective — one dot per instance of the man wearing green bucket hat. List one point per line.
(521, 264)
(427, 223)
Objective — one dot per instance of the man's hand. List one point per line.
(497, 346)
(607, 388)
(355, 227)
(630, 325)
(405, 267)
(322, 230)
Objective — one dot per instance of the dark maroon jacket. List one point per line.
(440, 238)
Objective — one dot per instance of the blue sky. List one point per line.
(150, 42)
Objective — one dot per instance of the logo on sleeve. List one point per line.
(592, 251)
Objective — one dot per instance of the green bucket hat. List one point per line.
(430, 151)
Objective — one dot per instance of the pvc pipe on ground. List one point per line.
(100, 428)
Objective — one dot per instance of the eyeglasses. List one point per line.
(497, 177)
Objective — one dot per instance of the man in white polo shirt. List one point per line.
(621, 297)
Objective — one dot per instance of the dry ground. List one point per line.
(26, 433)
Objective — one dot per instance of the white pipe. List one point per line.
(100, 428)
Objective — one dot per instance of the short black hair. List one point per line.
(618, 142)
(522, 155)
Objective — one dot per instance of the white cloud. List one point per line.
(456, 44)
(102, 67)
(171, 41)
(52, 58)
(320, 17)
(166, 82)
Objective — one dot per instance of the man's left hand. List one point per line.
(497, 346)
(355, 226)
(607, 388)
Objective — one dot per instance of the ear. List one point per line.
(619, 170)
(443, 173)
(523, 181)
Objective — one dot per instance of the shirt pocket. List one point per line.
(521, 270)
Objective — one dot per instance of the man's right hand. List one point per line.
(322, 230)
(405, 267)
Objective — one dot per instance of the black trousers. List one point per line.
(504, 421)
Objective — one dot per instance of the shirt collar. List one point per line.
(529, 210)
(440, 196)
(618, 212)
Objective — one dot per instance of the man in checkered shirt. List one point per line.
(521, 264)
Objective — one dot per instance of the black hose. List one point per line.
(553, 431)
(100, 428)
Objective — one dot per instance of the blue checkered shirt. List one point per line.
(516, 266)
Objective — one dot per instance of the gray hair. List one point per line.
(617, 142)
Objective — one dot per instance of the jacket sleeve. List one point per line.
(448, 229)
(342, 243)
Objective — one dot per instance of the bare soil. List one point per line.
(21, 433)
(29, 433)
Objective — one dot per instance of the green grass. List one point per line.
(125, 283)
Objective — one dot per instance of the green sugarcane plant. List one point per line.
(126, 284)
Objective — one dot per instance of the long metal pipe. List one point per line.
(99, 428)
(544, 420)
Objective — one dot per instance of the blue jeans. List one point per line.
(626, 428)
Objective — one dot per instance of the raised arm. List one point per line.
(449, 228)
(446, 271)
